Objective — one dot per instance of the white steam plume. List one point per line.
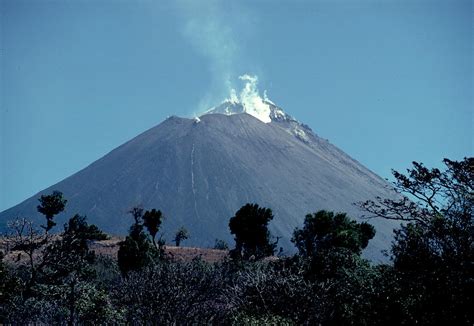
(248, 101)
(251, 100)
(206, 28)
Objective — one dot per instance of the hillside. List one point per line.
(199, 172)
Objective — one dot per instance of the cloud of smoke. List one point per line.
(207, 28)
(251, 100)
(211, 26)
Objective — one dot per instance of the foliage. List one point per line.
(329, 243)
(244, 319)
(78, 228)
(432, 193)
(152, 221)
(51, 205)
(56, 285)
(433, 252)
(323, 231)
(169, 293)
(27, 239)
(50, 306)
(261, 291)
(429, 282)
(137, 251)
(181, 235)
(8, 287)
(68, 268)
(221, 245)
(252, 237)
(70, 253)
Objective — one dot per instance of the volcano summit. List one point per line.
(200, 171)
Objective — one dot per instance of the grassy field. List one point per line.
(110, 248)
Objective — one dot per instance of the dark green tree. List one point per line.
(27, 239)
(181, 235)
(9, 286)
(433, 251)
(71, 253)
(152, 221)
(221, 245)
(51, 205)
(57, 285)
(328, 243)
(329, 256)
(68, 263)
(252, 237)
(325, 230)
(137, 214)
(78, 228)
(136, 251)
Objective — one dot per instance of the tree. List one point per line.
(78, 228)
(438, 215)
(137, 251)
(252, 237)
(221, 245)
(68, 263)
(330, 244)
(70, 252)
(27, 239)
(57, 283)
(430, 193)
(181, 235)
(8, 288)
(172, 293)
(261, 294)
(152, 221)
(51, 205)
(323, 231)
(433, 251)
(329, 255)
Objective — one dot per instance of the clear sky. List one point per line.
(388, 82)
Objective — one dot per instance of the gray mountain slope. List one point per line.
(199, 172)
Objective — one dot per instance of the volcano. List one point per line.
(200, 171)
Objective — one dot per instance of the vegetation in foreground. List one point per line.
(429, 282)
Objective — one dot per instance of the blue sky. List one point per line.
(388, 82)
